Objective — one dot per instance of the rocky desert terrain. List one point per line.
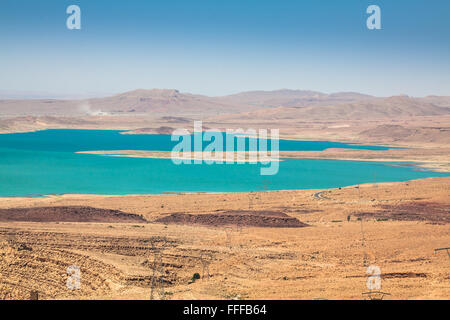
(305, 244)
(311, 244)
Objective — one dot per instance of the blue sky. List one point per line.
(217, 47)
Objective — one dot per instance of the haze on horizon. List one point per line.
(221, 48)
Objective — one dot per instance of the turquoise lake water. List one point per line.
(45, 162)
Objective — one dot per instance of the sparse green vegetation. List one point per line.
(196, 276)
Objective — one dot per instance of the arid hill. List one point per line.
(294, 98)
(394, 133)
(156, 101)
(68, 214)
(165, 102)
(379, 108)
(279, 104)
(31, 123)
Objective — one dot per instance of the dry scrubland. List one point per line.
(402, 224)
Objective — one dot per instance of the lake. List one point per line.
(45, 162)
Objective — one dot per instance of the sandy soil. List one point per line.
(327, 259)
(436, 159)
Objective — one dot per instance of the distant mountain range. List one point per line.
(368, 108)
(278, 104)
(294, 98)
